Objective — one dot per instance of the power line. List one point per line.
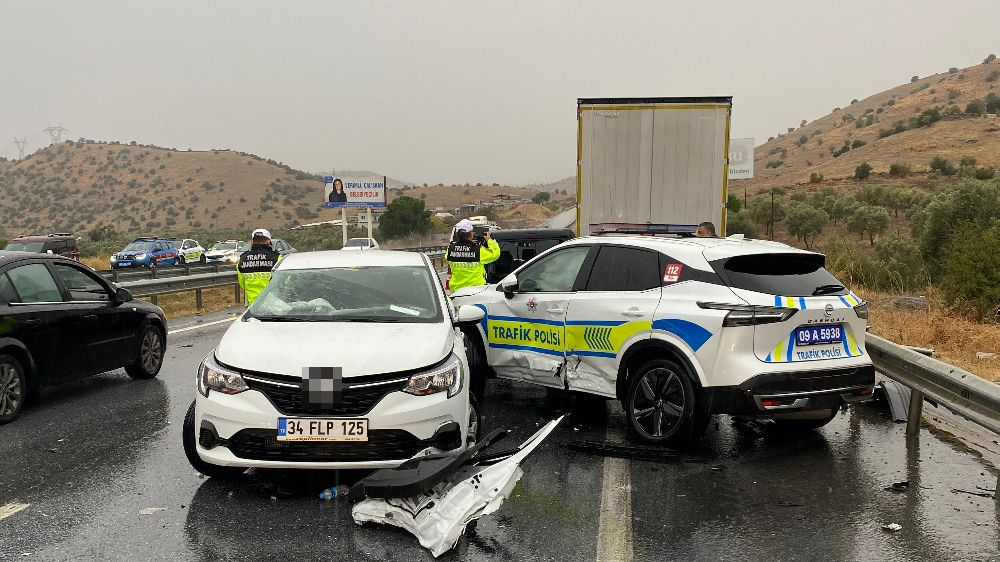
(55, 133)
(21, 144)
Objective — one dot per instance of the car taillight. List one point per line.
(862, 311)
(750, 315)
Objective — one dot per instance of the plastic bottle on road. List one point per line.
(330, 493)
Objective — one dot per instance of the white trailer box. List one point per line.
(647, 162)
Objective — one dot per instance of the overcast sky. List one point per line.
(451, 91)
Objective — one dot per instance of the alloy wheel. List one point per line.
(11, 391)
(658, 403)
(152, 351)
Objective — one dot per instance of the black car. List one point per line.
(60, 321)
(519, 245)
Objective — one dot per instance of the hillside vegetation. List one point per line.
(950, 114)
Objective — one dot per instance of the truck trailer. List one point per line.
(652, 165)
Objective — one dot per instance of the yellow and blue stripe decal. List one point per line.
(785, 351)
(582, 338)
(849, 300)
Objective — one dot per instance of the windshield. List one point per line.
(358, 243)
(224, 246)
(358, 294)
(242, 246)
(139, 247)
(793, 275)
(25, 247)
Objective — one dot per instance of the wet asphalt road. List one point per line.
(93, 454)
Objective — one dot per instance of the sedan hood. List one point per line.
(285, 348)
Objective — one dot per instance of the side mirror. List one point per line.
(509, 286)
(122, 295)
(469, 315)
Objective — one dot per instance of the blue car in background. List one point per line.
(146, 252)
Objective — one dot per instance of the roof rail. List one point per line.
(647, 229)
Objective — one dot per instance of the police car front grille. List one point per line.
(359, 396)
(382, 444)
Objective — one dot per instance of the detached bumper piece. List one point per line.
(436, 497)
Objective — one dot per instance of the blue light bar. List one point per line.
(641, 228)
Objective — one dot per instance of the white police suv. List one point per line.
(345, 360)
(678, 329)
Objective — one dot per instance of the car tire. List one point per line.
(202, 258)
(804, 424)
(152, 263)
(149, 357)
(191, 452)
(662, 406)
(13, 388)
(179, 260)
(479, 369)
(475, 421)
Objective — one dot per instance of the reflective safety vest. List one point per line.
(254, 270)
(466, 259)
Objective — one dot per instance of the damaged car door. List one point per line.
(614, 309)
(526, 330)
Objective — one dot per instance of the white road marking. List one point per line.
(196, 326)
(11, 508)
(614, 531)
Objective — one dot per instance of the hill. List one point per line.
(909, 124)
(74, 186)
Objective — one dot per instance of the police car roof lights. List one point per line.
(648, 229)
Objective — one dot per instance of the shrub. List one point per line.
(953, 94)
(954, 109)
(942, 165)
(972, 201)
(804, 221)
(879, 110)
(914, 79)
(985, 173)
(774, 163)
(967, 161)
(740, 223)
(898, 170)
(992, 77)
(858, 143)
(976, 107)
(891, 103)
(802, 140)
(734, 203)
(989, 58)
(972, 268)
(541, 197)
(774, 150)
(952, 70)
(869, 218)
(993, 103)
(928, 117)
(862, 171)
(815, 178)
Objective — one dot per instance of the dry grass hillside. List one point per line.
(795, 155)
(74, 186)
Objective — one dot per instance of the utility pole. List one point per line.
(56, 133)
(21, 144)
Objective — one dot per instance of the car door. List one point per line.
(615, 308)
(109, 343)
(525, 331)
(43, 320)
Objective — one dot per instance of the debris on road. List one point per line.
(462, 492)
(980, 494)
(151, 510)
(899, 486)
(334, 492)
(892, 527)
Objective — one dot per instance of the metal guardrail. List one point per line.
(972, 397)
(158, 272)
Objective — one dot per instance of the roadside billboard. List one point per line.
(340, 191)
(740, 159)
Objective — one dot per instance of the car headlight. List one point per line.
(212, 376)
(139, 256)
(445, 378)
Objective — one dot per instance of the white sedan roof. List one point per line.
(337, 258)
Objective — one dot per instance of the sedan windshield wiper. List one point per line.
(827, 289)
(289, 318)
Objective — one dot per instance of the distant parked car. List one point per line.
(191, 252)
(357, 244)
(62, 321)
(282, 246)
(226, 251)
(61, 244)
(147, 252)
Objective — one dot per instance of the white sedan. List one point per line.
(356, 244)
(306, 377)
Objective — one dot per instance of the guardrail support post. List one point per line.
(236, 294)
(915, 413)
(152, 299)
(197, 299)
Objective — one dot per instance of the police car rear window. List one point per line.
(793, 275)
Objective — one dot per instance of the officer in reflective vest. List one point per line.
(254, 269)
(466, 257)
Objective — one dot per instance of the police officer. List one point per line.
(466, 257)
(254, 269)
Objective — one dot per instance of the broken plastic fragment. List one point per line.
(439, 516)
(892, 527)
